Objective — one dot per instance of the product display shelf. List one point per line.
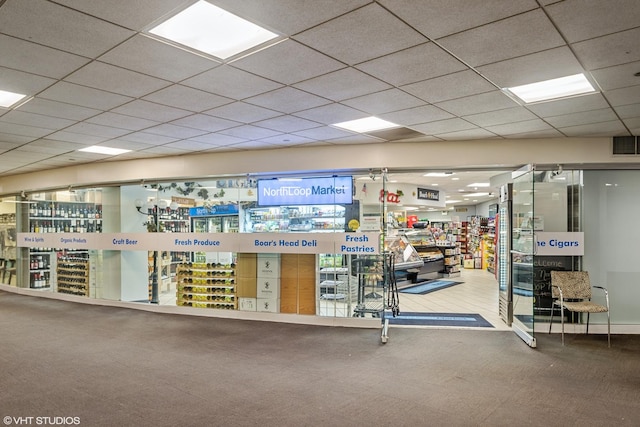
(174, 220)
(297, 218)
(207, 285)
(451, 255)
(73, 276)
(58, 217)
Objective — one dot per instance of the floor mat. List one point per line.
(430, 286)
(440, 319)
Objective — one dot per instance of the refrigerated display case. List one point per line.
(215, 219)
(503, 255)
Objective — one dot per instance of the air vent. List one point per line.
(626, 145)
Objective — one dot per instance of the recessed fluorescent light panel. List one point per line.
(479, 184)
(212, 30)
(104, 150)
(368, 124)
(7, 99)
(553, 89)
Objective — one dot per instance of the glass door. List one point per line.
(524, 224)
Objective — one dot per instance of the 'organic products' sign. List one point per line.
(305, 191)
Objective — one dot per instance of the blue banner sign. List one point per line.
(213, 210)
(305, 191)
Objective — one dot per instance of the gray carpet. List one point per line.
(120, 367)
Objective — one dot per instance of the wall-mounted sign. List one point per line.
(183, 201)
(305, 191)
(427, 194)
(230, 209)
(559, 243)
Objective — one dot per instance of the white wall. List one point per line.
(611, 211)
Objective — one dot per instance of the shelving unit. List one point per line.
(297, 218)
(451, 255)
(54, 216)
(72, 274)
(207, 285)
(174, 220)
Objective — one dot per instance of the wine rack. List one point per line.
(207, 285)
(73, 276)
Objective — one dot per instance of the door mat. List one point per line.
(440, 319)
(430, 286)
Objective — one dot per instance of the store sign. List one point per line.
(200, 211)
(305, 191)
(308, 243)
(559, 243)
(426, 194)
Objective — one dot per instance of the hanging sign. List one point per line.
(426, 194)
(305, 191)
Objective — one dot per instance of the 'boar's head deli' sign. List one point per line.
(305, 191)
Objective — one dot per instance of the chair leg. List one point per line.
(608, 329)
(587, 323)
(551, 320)
(562, 322)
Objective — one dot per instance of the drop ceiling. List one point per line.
(435, 67)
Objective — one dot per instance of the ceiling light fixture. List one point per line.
(7, 99)
(104, 150)
(562, 87)
(441, 174)
(368, 124)
(212, 30)
(479, 184)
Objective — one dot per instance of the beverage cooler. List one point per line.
(503, 254)
(215, 219)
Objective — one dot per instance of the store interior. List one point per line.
(446, 239)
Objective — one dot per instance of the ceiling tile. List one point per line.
(22, 130)
(288, 100)
(331, 114)
(115, 79)
(463, 135)
(417, 115)
(242, 112)
(147, 138)
(516, 36)
(231, 82)
(474, 104)
(97, 130)
(456, 85)
(217, 139)
(49, 24)
(421, 62)
(189, 145)
(595, 18)
(624, 96)
(38, 120)
(633, 125)
(290, 16)
(499, 117)
(254, 145)
(187, 98)
(444, 126)
(21, 82)
(287, 124)
(249, 132)
(57, 109)
(370, 26)
(205, 122)
(288, 62)
(154, 58)
(121, 121)
(582, 118)
(165, 150)
(550, 133)
(343, 84)
(174, 131)
(618, 77)
(519, 127)
(9, 141)
(127, 145)
(606, 129)
(624, 111)
(151, 111)
(287, 140)
(438, 18)
(355, 139)
(33, 58)
(83, 96)
(384, 101)
(532, 68)
(614, 49)
(77, 138)
(324, 133)
(121, 13)
(50, 147)
(568, 105)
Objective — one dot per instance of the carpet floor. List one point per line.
(109, 366)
